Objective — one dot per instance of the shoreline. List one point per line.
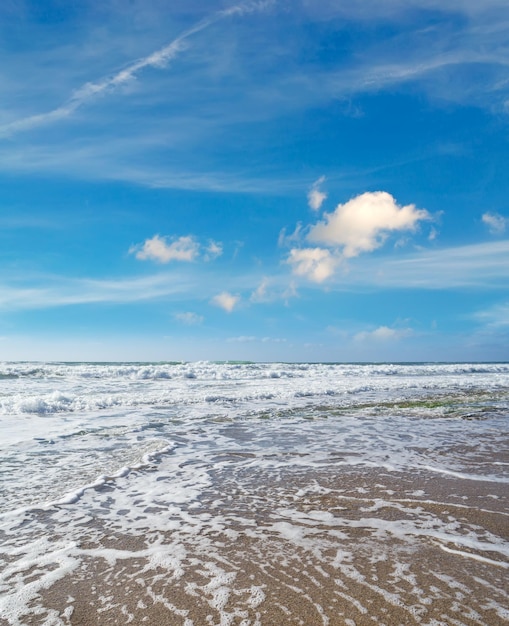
(354, 546)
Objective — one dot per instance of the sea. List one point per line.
(240, 493)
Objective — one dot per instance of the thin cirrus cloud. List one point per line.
(54, 292)
(164, 250)
(157, 60)
(361, 225)
(495, 317)
(483, 266)
(434, 55)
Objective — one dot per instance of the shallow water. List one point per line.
(230, 487)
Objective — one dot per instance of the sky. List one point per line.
(272, 180)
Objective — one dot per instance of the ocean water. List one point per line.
(167, 469)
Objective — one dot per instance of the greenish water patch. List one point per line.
(467, 405)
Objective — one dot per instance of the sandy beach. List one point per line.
(348, 547)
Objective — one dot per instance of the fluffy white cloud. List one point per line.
(360, 225)
(316, 197)
(383, 333)
(159, 249)
(495, 222)
(165, 249)
(317, 264)
(363, 223)
(226, 301)
(189, 318)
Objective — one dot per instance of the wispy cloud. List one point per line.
(495, 222)
(260, 294)
(189, 318)
(292, 238)
(396, 10)
(158, 59)
(316, 196)
(167, 113)
(271, 290)
(119, 160)
(213, 250)
(481, 266)
(496, 316)
(53, 292)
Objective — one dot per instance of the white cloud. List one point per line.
(481, 266)
(495, 222)
(383, 333)
(226, 301)
(360, 225)
(213, 250)
(316, 197)
(317, 264)
(158, 249)
(189, 318)
(364, 223)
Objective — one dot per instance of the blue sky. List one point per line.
(272, 180)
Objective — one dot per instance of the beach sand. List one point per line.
(332, 547)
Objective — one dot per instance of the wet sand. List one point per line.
(353, 547)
